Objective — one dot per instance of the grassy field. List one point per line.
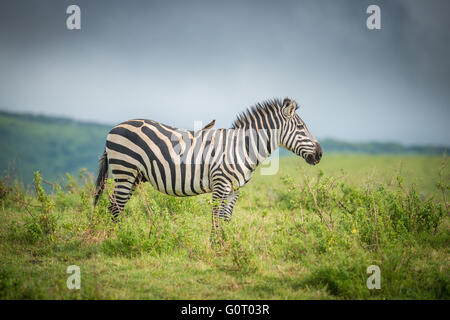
(305, 233)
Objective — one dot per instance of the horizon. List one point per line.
(111, 125)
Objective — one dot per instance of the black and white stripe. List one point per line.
(185, 163)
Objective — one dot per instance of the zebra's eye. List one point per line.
(300, 126)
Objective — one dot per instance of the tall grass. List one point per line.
(304, 233)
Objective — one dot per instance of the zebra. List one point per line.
(181, 163)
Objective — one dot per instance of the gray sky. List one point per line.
(181, 61)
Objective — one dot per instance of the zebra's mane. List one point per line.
(245, 118)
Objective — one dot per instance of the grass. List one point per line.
(304, 233)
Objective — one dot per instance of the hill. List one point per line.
(55, 146)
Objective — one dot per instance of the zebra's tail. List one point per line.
(102, 176)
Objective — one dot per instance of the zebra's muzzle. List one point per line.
(310, 159)
(314, 159)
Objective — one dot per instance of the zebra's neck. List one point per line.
(266, 141)
(237, 151)
(263, 123)
(248, 148)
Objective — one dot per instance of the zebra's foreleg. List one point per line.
(224, 198)
(218, 204)
(227, 211)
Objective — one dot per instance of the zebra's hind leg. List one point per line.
(123, 189)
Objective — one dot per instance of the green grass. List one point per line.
(305, 233)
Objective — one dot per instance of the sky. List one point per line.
(183, 61)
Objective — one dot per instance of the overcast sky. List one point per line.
(181, 61)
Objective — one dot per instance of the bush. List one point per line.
(42, 222)
(375, 213)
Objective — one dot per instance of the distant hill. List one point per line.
(55, 146)
(332, 145)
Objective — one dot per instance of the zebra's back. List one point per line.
(171, 159)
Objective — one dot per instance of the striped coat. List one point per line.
(179, 162)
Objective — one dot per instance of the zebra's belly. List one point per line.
(183, 181)
(181, 193)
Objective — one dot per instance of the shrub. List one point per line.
(376, 212)
(43, 222)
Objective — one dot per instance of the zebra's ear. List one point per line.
(289, 107)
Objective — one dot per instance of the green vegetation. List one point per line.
(305, 233)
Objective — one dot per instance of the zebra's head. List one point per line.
(296, 137)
